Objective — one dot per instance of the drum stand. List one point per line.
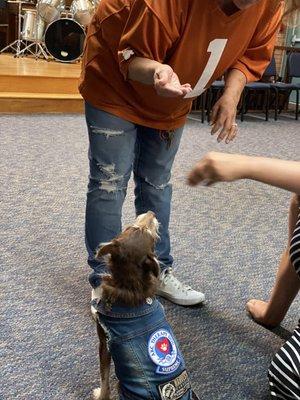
(39, 50)
(36, 46)
(17, 44)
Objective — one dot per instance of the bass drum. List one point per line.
(64, 40)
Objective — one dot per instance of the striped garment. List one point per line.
(284, 372)
(295, 248)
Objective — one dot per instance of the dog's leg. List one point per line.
(103, 393)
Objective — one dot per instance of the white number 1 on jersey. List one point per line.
(216, 49)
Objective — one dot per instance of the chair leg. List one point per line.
(276, 104)
(267, 104)
(297, 104)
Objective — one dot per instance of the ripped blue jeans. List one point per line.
(116, 148)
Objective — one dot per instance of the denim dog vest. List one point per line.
(147, 358)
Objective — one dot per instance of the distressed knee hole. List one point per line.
(106, 131)
(112, 182)
(158, 187)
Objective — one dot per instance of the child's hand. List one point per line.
(219, 167)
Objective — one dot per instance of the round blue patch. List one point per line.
(163, 351)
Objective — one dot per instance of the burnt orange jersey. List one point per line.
(195, 37)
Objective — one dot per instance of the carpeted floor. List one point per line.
(226, 241)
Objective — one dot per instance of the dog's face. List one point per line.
(147, 222)
(133, 250)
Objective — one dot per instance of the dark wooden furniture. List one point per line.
(4, 26)
(4, 35)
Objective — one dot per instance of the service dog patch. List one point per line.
(163, 352)
(176, 388)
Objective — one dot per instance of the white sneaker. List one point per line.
(96, 296)
(179, 293)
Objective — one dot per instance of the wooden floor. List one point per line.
(32, 86)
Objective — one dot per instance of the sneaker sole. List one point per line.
(180, 302)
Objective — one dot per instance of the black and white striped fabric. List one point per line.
(295, 248)
(284, 372)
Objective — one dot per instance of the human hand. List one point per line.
(223, 119)
(167, 83)
(219, 167)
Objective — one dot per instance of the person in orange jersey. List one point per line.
(144, 62)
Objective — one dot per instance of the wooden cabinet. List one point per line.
(4, 25)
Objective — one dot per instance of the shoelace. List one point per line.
(169, 277)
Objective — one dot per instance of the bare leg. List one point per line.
(104, 392)
(286, 286)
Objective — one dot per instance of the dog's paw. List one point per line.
(99, 395)
(96, 394)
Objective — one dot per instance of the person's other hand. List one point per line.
(223, 119)
(167, 83)
(219, 167)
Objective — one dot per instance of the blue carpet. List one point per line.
(226, 240)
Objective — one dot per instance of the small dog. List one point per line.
(131, 324)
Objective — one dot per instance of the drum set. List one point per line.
(53, 30)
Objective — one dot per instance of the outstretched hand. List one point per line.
(167, 83)
(219, 167)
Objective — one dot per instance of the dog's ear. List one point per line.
(151, 264)
(106, 248)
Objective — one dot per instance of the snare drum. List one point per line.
(83, 11)
(33, 27)
(49, 10)
(64, 40)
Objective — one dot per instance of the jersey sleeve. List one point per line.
(258, 55)
(145, 35)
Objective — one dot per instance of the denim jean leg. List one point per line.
(111, 154)
(154, 159)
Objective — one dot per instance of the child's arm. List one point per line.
(218, 167)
